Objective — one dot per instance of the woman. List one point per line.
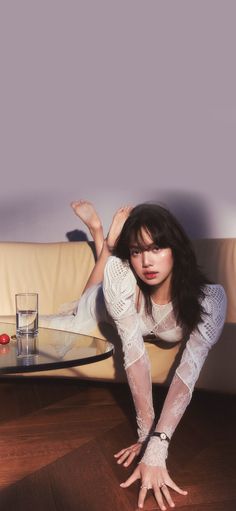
(151, 284)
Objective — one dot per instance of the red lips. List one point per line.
(150, 275)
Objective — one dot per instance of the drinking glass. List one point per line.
(27, 314)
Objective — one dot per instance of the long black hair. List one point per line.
(188, 281)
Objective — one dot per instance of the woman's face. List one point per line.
(153, 265)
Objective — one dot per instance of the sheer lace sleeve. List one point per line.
(194, 355)
(119, 288)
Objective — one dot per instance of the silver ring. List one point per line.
(162, 484)
(144, 486)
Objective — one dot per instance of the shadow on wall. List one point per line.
(192, 212)
(78, 235)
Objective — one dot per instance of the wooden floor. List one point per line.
(57, 439)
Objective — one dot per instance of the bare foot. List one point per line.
(117, 223)
(86, 212)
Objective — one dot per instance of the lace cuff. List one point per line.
(156, 453)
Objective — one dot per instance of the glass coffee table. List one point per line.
(51, 349)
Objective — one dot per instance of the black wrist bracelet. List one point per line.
(162, 436)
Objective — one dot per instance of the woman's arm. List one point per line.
(193, 358)
(119, 287)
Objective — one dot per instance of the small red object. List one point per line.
(4, 339)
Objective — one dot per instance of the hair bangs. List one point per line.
(157, 235)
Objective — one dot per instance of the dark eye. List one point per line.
(134, 252)
(155, 249)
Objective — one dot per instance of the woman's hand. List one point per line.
(127, 455)
(156, 479)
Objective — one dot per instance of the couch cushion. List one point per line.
(57, 271)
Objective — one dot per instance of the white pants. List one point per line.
(89, 310)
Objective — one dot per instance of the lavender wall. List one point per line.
(116, 101)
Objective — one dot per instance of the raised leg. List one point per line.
(86, 212)
(107, 246)
(118, 221)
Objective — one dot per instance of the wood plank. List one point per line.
(58, 439)
(40, 438)
(82, 480)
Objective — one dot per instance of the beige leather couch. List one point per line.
(58, 272)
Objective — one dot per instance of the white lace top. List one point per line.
(119, 288)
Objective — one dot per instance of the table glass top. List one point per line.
(51, 349)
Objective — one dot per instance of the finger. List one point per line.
(158, 497)
(131, 479)
(124, 450)
(142, 496)
(130, 459)
(127, 455)
(124, 457)
(120, 453)
(167, 495)
(174, 486)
